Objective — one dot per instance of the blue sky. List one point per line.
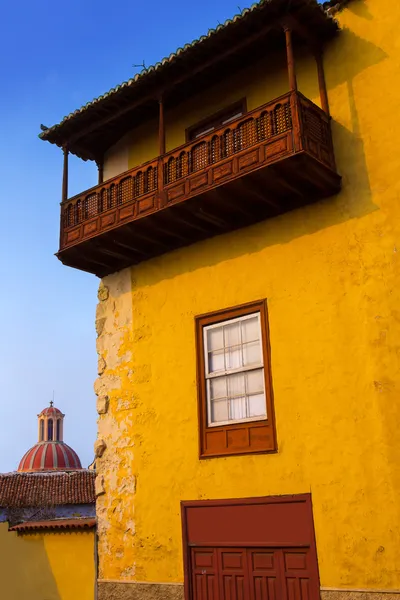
(54, 58)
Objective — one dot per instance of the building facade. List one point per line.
(47, 521)
(246, 231)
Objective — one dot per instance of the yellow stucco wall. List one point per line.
(46, 566)
(331, 275)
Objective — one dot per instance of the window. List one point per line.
(223, 117)
(41, 434)
(58, 437)
(50, 430)
(234, 371)
(234, 382)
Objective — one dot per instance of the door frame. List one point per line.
(304, 499)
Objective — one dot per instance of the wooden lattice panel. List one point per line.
(248, 144)
(199, 157)
(281, 118)
(125, 187)
(215, 149)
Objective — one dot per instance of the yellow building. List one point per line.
(246, 228)
(47, 521)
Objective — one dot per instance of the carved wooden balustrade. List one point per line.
(284, 128)
(107, 198)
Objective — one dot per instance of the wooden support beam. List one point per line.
(155, 224)
(254, 190)
(161, 127)
(100, 167)
(315, 47)
(64, 195)
(161, 151)
(125, 241)
(211, 217)
(74, 257)
(290, 58)
(322, 83)
(184, 218)
(145, 236)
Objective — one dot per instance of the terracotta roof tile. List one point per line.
(62, 131)
(54, 524)
(46, 489)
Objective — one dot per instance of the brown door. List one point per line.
(251, 574)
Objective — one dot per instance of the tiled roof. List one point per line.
(167, 59)
(54, 524)
(46, 489)
(324, 24)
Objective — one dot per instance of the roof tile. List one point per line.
(257, 6)
(86, 523)
(46, 489)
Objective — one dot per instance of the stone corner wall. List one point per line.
(115, 481)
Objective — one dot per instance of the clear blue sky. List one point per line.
(56, 56)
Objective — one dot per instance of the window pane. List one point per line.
(218, 387)
(232, 334)
(255, 381)
(236, 386)
(257, 406)
(250, 329)
(234, 358)
(50, 429)
(252, 354)
(219, 411)
(216, 361)
(233, 117)
(215, 338)
(238, 408)
(237, 397)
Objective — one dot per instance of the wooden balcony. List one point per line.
(274, 159)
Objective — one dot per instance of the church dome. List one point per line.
(51, 411)
(50, 456)
(51, 453)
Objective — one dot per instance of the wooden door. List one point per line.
(253, 574)
(265, 574)
(204, 574)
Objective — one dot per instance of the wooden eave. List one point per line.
(91, 130)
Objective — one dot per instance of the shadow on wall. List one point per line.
(25, 572)
(360, 9)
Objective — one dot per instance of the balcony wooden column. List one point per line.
(293, 88)
(64, 195)
(290, 59)
(161, 127)
(161, 151)
(100, 168)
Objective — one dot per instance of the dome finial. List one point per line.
(51, 402)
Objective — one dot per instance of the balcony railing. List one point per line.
(285, 127)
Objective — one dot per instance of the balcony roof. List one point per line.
(90, 130)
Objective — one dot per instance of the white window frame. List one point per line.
(223, 373)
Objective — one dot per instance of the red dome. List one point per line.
(51, 411)
(50, 456)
